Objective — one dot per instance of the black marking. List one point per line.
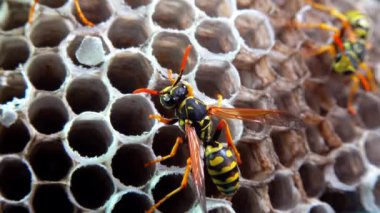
(221, 153)
(228, 185)
(225, 176)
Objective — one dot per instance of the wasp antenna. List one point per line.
(32, 10)
(145, 90)
(183, 64)
(81, 15)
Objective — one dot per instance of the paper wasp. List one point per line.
(348, 48)
(194, 117)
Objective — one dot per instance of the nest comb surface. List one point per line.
(74, 139)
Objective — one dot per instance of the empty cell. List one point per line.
(247, 200)
(14, 208)
(132, 202)
(216, 36)
(181, 201)
(48, 114)
(215, 8)
(168, 49)
(317, 97)
(51, 198)
(368, 109)
(343, 201)
(163, 142)
(13, 52)
(15, 179)
(15, 87)
(47, 72)
(255, 29)
(175, 14)
(315, 141)
(129, 71)
(372, 149)
(343, 124)
(90, 137)
(129, 31)
(13, 139)
(87, 94)
(49, 160)
(349, 166)
(91, 186)
(130, 115)
(291, 69)
(96, 11)
(217, 78)
(128, 165)
(282, 192)
(137, 3)
(49, 31)
(53, 3)
(312, 178)
(17, 15)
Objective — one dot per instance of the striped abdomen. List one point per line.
(222, 167)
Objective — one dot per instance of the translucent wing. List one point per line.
(270, 117)
(196, 165)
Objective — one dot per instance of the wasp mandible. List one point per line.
(348, 48)
(194, 117)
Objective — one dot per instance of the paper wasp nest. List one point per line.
(73, 138)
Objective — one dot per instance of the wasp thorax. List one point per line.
(172, 96)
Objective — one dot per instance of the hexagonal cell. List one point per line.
(49, 31)
(369, 110)
(216, 8)
(130, 115)
(317, 96)
(129, 31)
(129, 71)
(163, 142)
(96, 11)
(133, 173)
(47, 71)
(91, 186)
(14, 208)
(131, 201)
(51, 198)
(87, 94)
(248, 200)
(315, 141)
(13, 139)
(349, 166)
(13, 51)
(217, 78)
(181, 201)
(175, 14)
(282, 192)
(289, 101)
(17, 15)
(329, 135)
(49, 160)
(216, 36)
(313, 179)
(291, 69)
(343, 201)
(48, 114)
(137, 3)
(15, 179)
(75, 45)
(372, 148)
(256, 30)
(289, 145)
(53, 3)
(343, 124)
(168, 49)
(14, 87)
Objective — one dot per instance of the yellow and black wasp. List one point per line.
(194, 117)
(348, 48)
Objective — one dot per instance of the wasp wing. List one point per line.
(196, 165)
(270, 117)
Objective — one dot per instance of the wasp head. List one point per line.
(171, 97)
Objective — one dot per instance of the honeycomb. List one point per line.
(73, 137)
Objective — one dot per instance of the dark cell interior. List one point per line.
(167, 9)
(51, 198)
(137, 3)
(13, 51)
(132, 202)
(96, 11)
(53, 3)
(17, 17)
(281, 192)
(13, 139)
(312, 178)
(14, 208)
(349, 166)
(49, 32)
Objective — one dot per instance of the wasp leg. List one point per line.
(32, 10)
(163, 120)
(223, 123)
(172, 153)
(81, 15)
(183, 185)
(363, 80)
(353, 91)
(370, 76)
(170, 76)
(322, 26)
(320, 50)
(220, 99)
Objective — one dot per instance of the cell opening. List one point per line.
(246, 200)
(13, 139)
(87, 94)
(313, 179)
(96, 11)
(349, 166)
(216, 36)
(50, 161)
(372, 149)
(282, 192)
(129, 31)
(319, 209)
(53, 3)
(13, 51)
(47, 72)
(14, 208)
(166, 10)
(15, 87)
(90, 138)
(130, 115)
(51, 198)
(91, 186)
(168, 49)
(137, 3)
(128, 165)
(48, 114)
(17, 15)
(129, 71)
(132, 202)
(369, 110)
(215, 8)
(49, 31)
(15, 179)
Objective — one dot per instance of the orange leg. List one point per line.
(81, 15)
(230, 142)
(32, 10)
(353, 91)
(162, 119)
(320, 50)
(172, 153)
(170, 76)
(322, 26)
(183, 185)
(370, 76)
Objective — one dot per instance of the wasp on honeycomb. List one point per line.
(348, 48)
(194, 117)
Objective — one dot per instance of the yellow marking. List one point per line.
(229, 153)
(190, 107)
(228, 180)
(223, 170)
(210, 149)
(232, 188)
(202, 134)
(216, 161)
(189, 88)
(181, 122)
(201, 122)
